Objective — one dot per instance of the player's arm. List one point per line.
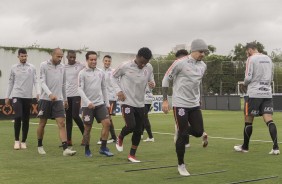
(35, 83)
(169, 75)
(10, 87)
(104, 90)
(64, 91)
(117, 75)
(43, 82)
(248, 72)
(81, 84)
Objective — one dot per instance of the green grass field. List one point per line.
(223, 127)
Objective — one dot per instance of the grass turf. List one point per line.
(223, 127)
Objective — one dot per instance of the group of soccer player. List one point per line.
(67, 89)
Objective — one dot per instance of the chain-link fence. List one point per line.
(221, 78)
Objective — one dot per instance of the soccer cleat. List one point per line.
(239, 148)
(119, 144)
(108, 141)
(17, 145)
(149, 140)
(274, 152)
(41, 151)
(187, 145)
(182, 170)
(106, 151)
(133, 159)
(23, 145)
(205, 139)
(111, 141)
(69, 152)
(88, 153)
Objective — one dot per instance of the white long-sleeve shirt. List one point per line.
(132, 81)
(187, 74)
(258, 76)
(22, 80)
(110, 88)
(53, 80)
(92, 87)
(72, 72)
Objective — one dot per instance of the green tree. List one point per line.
(239, 52)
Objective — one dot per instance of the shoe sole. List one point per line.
(106, 154)
(134, 161)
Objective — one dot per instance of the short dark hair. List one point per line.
(90, 53)
(251, 45)
(71, 52)
(22, 51)
(107, 56)
(145, 53)
(181, 52)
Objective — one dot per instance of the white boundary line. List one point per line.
(163, 133)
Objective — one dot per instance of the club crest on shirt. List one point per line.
(127, 110)
(181, 112)
(145, 72)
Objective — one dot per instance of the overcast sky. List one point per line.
(126, 25)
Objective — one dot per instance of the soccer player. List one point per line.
(72, 69)
(93, 92)
(53, 99)
(258, 102)
(179, 54)
(130, 80)
(107, 61)
(147, 125)
(186, 74)
(21, 82)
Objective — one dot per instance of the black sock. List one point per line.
(180, 156)
(133, 151)
(273, 133)
(248, 129)
(87, 147)
(65, 145)
(104, 144)
(112, 131)
(39, 144)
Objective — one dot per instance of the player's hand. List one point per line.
(52, 97)
(91, 106)
(243, 88)
(165, 106)
(151, 84)
(7, 101)
(66, 104)
(121, 96)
